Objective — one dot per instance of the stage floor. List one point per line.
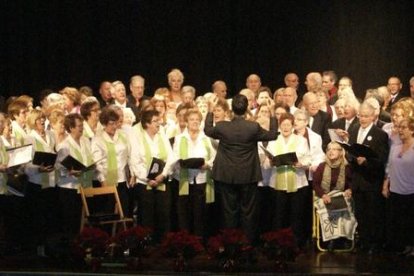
(310, 262)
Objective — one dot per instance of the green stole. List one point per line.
(148, 157)
(4, 159)
(44, 175)
(286, 175)
(183, 188)
(19, 137)
(86, 177)
(112, 165)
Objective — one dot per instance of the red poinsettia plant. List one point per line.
(231, 247)
(280, 244)
(181, 243)
(135, 241)
(91, 242)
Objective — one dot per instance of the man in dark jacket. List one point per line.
(236, 169)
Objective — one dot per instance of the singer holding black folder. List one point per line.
(195, 185)
(69, 180)
(111, 150)
(290, 180)
(40, 191)
(368, 175)
(152, 189)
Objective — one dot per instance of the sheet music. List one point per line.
(19, 155)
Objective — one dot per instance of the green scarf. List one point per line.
(184, 184)
(286, 175)
(4, 159)
(326, 176)
(112, 171)
(148, 157)
(44, 175)
(19, 137)
(86, 177)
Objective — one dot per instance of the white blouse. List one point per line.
(196, 149)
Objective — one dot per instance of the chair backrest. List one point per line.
(98, 191)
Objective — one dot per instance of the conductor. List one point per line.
(236, 169)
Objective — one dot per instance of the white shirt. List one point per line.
(32, 170)
(302, 152)
(316, 152)
(65, 148)
(196, 149)
(18, 129)
(138, 166)
(362, 133)
(100, 154)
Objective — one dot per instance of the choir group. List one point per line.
(119, 137)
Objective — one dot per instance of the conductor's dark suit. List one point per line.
(236, 169)
(367, 182)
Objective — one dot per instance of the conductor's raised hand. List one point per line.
(212, 102)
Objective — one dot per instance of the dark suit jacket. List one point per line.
(370, 175)
(385, 116)
(136, 109)
(237, 159)
(399, 96)
(340, 123)
(321, 123)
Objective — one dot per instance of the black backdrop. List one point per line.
(52, 44)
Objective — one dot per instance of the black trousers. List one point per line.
(155, 209)
(370, 214)
(239, 203)
(192, 209)
(290, 211)
(402, 220)
(42, 207)
(71, 207)
(15, 230)
(266, 207)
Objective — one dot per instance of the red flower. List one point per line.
(228, 242)
(182, 242)
(280, 243)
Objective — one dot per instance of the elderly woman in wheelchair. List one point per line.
(334, 216)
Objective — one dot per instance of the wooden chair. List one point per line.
(102, 218)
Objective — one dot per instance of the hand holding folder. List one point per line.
(286, 159)
(191, 163)
(46, 159)
(19, 155)
(156, 168)
(73, 164)
(358, 150)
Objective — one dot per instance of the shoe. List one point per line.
(41, 251)
(410, 254)
(331, 246)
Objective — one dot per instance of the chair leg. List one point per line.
(114, 229)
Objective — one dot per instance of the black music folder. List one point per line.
(359, 150)
(338, 203)
(192, 163)
(44, 158)
(285, 159)
(72, 163)
(156, 167)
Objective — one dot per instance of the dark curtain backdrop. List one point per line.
(52, 44)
